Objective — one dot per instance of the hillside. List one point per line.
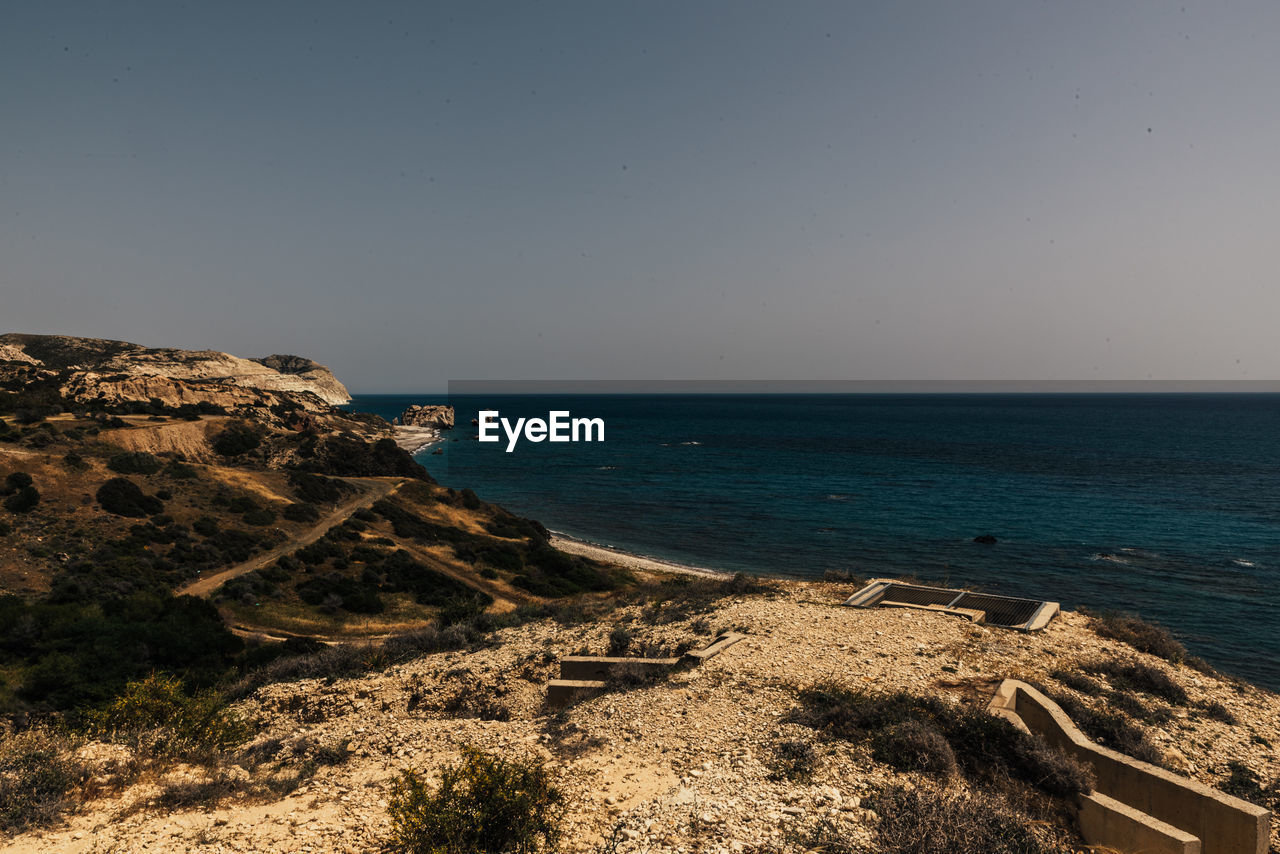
(236, 624)
(91, 369)
(728, 757)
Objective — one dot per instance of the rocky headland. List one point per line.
(119, 370)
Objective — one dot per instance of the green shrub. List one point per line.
(123, 497)
(23, 501)
(1138, 633)
(134, 462)
(158, 713)
(38, 774)
(484, 804)
(5, 528)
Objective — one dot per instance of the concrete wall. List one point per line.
(1223, 824)
(1107, 822)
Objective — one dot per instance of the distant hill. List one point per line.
(124, 371)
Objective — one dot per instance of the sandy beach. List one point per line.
(413, 439)
(628, 560)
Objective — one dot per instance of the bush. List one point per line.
(1215, 710)
(1136, 676)
(314, 489)
(922, 821)
(914, 746)
(1110, 730)
(260, 517)
(134, 462)
(160, 714)
(473, 701)
(23, 501)
(1138, 633)
(619, 640)
(1077, 682)
(15, 481)
(37, 776)
(301, 513)
(123, 497)
(5, 528)
(793, 760)
(238, 438)
(179, 470)
(485, 804)
(984, 746)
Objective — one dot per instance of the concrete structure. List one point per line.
(583, 676)
(601, 667)
(1136, 806)
(1007, 612)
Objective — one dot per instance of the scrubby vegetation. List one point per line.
(158, 716)
(38, 779)
(123, 497)
(1109, 728)
(1140, 634)
(928, 734)
(952, 821)
(483, 804)
(1136, 676)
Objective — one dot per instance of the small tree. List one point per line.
(23, 501)
(483, 805)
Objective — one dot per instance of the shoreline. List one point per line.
(414, 439)
(628, 560)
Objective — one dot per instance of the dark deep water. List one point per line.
(1168, 505)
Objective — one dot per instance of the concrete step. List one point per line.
(721, 643)
(562, 692)
(603, 666)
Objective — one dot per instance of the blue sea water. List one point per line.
(1167, 505)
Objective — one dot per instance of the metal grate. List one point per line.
(1003, 611)
(909, 594)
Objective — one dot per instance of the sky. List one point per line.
(412, 193)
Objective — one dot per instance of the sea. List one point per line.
(1164, 505)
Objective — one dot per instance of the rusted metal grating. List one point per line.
(1003, 611)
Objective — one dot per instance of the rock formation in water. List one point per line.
(427, 416)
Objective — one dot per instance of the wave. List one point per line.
(837, 496)
(1109, 558)
(1239, 561)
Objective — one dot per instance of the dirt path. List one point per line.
(377, 488)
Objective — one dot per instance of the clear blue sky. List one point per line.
(416, 192)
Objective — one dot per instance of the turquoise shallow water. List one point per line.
(1168, 505)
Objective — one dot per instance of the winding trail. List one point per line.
(376, 488)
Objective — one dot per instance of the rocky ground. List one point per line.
(686, 765)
